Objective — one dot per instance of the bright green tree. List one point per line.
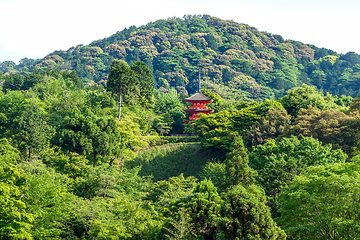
(323, 203)
(15, 220)
(277, 163)
(8, 154)
(217, 102)
(46, 197)
(166, 191)
(302, 97)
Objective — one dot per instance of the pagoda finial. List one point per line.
(199, 82)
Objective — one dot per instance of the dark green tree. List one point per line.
(145, 79)
(245, 215)
(210, 39)
(236, 166)
(203, 206)
(270, 127)
(85, 133)
(33, 131)
(122, 80)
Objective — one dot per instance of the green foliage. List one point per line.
(304, 96)
(166, 191)
(236, 166)
(203, 207)
(323, 203)
(98, 179)
(85, 133)
(246, 216)
(145, 78)
(34, 133)
(73, 165)
(11, 106)
(44, 193)
(8, 154)
(170, 108)
(126, 220)
(219, 129)
(110, 182)
(270, 127)
(328, 126)
(355, 106)
(122, 81)
(15, 220)
(217, 100)
(277, 163)
(216, 172)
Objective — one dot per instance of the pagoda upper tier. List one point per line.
(199, 101)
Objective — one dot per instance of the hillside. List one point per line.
(171, 160)
(235, 60)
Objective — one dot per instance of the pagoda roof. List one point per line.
(199, 110)
(198, 97)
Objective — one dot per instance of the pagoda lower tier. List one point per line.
(195, 112)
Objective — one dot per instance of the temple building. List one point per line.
(199, 101)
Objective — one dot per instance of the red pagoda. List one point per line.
(198, 100)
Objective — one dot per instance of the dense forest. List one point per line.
(235, 60)
(93, 146)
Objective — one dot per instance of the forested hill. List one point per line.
(233, 58)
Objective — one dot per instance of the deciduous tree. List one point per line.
(323, 203)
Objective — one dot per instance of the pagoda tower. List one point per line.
(198, 100)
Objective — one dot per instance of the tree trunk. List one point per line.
(29, 154)
(120, 105)
(95, 154)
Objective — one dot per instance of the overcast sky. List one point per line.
(35, 28)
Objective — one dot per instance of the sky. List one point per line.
(36, 28)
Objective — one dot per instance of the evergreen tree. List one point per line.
(122, 80)
(145, 79)
(236, 166)
(33, 133)
(246, 216)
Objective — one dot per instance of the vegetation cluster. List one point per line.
(89, 160)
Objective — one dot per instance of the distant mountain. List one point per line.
(234, 59)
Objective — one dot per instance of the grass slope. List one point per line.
(171, 160)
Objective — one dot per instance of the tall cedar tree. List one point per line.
(145, 79)
(236, 165)
(122, 80)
